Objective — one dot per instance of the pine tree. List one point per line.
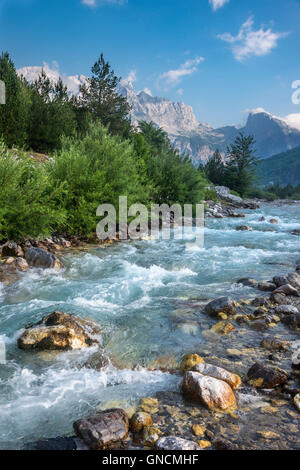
(240, 171)
(100, 97)
(214, 168)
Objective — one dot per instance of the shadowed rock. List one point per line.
(176, 443)
(260, 376)
(103, 430)
(12, 249)
(39, 258)
(223, 304)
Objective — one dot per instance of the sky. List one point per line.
(223, 57)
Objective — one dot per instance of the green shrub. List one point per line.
(27, 199)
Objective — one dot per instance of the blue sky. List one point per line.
(220, 56)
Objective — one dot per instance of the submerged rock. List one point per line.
(223, 328)
(244, 228)
(59, 331)
(215, 394)
(223, 304)
(104, 429)
(292, 321)
(275, 344)
(260, 376)
(176, 443)
(189, 361)
(39, 258)
(247, 281)
(266, 286)
(219, 373)
(286, 310)
(151, 435)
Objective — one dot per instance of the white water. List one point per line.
(143, 296)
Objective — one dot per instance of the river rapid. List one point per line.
(147, 296)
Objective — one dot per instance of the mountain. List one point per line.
(283, 168)
(272, 134)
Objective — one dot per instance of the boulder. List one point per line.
(292, 321)
(103, 430)
(139, 421)
(189, 361)
(213, 393)
(297, 402)
(223, 304)
(295, 232)
(280, 280)
(266, 286)
(39, 258)
(296, 359)
(244, 228)
(59, 331)
(273, 221)
(176, 443)
(219, 373)
(12, 249)
(260, 376)
(294, 280)
(287, 289)
(286, 310)
(248, 282)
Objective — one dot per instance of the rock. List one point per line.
(223, 304)
(223, 328)
(237, 202)
(248, 282)
(266, 286)
(260, 302)
(204, 444)
(260, 376)
(104, 429)
(218, 373)
(139, 421)
(295, 232)
(286, 310)
(296, 359)
(189, 361)
(149, 405)
(215, 394)
(198, 430)
(223, 444)
(279, 299)
(259, 325)
(39, 258)
(176, 443)
(273, 221)
(59, 331)
(297, 402)
(12, 249)
(292, 321)
(244, 228)
(55, 444)
(151, 435)
(268, 434)
(21, 264)
(275, 344)
(262, 219)
(294, 280)
(280, 280)
(287, 289)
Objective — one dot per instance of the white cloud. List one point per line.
(173, 77)
(293, 120)
(180, 91)
(250, 42)
(100, 3)
(216, 4)
(130, 80)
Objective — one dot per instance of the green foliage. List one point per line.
(94, 170)
(214, 169)
(283, 168)
(99, 96)
(27, 199)
(240, 171)
(275, 191)
(210, 195)
(172, 177)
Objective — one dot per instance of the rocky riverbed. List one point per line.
(171, 345)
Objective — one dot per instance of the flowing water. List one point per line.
(147, 296)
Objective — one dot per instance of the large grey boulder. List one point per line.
(39, 258)
(104, 429)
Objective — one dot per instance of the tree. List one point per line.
(14, 114)
(240, 171)
(100, 97)
(214, 168)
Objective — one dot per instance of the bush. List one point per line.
(27, 199)
(94, 170)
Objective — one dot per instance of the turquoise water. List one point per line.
(147, 296)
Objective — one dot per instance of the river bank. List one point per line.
(149, 297)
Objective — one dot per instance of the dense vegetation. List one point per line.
(283, 168)
(96, 155)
